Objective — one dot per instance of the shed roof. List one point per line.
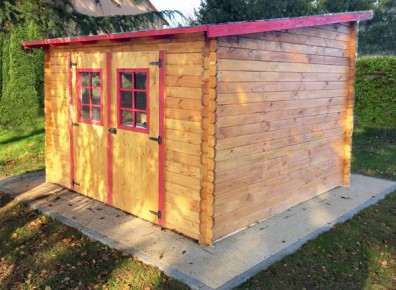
(213, 30)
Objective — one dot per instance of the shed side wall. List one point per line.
(183, 116)
(282, 102)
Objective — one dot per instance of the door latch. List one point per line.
(158, 139)
(112, 130)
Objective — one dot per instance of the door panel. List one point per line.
(134, 156)
(89, 119)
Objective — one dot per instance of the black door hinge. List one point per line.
(112, 130)
(157, 213)
(159, 63)
(75, 183)
(71, 64)
(158, 139)
(76, 124)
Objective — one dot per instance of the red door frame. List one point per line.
(161, 157)
(71, 133)
(109, 125)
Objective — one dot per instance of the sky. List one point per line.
(184, 6)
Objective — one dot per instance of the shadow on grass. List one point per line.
(22, 137)
(36, 251)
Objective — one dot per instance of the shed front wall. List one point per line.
(183, 120)
(284, 120)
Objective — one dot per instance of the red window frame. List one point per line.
(90, 88)
(133, 109)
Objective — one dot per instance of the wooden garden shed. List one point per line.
(207, 129)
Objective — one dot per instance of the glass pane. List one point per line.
(85, 96)
(85, 112)
(84, 79)
(140, 81)
(140, 101)
(96, 97)
(96, 114)
(126, 80)
(126, 100)
(141, 120)
(95, 79)
(126, 118)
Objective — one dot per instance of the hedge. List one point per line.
(19, 103)
(375, 92)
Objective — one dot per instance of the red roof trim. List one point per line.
(286, 23)
(215, 30)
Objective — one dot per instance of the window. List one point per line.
(133, 96)
(90, 102)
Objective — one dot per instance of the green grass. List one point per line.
(22, 149)
(374, 153)
(36, 251)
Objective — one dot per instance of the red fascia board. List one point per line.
(229, 29)
(114, 37)
(215, 30)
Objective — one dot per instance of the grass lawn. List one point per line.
(22, 149)
(36, 251)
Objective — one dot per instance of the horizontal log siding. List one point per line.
(280, 128)
(183, 118)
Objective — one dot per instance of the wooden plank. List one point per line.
(243, 42)
(184, 81)
(183, 180)
(234, 131)
(276, 185)
(184, 115)
(228, 164)
(278, 56)
(182, 190)
(260, 66)
(181, 125)
(235, 120)
(243, 98)
(266, 146)
(317, 32)
(183, 169)
(286, 37)
(184, 59)
(184, 70)
(238, 76)
(248, 216)
(185, 93)
(184, 104)
(265, 107)
(182, 136)
(182, 158)
(233, 142)
(188, 148)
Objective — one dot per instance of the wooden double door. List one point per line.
(117, 130)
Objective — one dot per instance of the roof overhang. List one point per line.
(213, 30)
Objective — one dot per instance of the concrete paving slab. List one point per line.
(232, 261)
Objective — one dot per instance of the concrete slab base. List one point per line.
(232, 261)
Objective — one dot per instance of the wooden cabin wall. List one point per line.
(284, 120)
(183, 120)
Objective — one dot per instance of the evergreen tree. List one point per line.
(19, 104)
(5, 73)
(1, 63)
(220, 11)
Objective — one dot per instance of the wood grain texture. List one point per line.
(280, 121)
